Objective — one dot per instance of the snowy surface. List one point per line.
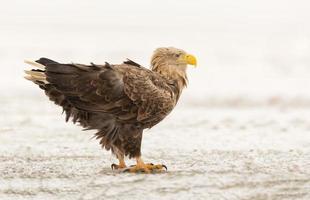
(211, 153)
(240, 131)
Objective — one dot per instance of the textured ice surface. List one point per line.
(211, 153)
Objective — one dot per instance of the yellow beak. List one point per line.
(190, 59)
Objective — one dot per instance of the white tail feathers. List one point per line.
(35, 64)
(32, 75)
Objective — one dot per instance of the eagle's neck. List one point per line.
(174, 73)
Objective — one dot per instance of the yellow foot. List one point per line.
(115, 166)
(146, 168)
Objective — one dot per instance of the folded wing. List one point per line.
(128, 93)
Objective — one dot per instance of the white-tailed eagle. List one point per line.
(119, 101)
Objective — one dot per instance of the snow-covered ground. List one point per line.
(211, 153)
(240, 131)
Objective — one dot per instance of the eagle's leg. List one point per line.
(121, 164)
(144, 167)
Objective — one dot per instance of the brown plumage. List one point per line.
(118, 101)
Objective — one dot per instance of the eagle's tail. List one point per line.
(36, 75)
(41, 73)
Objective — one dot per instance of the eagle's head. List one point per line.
(172, 63)
(172, 56)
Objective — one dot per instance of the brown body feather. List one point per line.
(117, 100)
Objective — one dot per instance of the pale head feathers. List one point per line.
(171, 63)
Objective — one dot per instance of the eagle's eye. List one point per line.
(177, 55)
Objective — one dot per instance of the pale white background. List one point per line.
(258, 49)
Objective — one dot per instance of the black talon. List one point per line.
(164, 166)
(126, 170)
(140, 170)
(113, 166)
